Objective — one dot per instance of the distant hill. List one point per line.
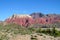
(34, 18)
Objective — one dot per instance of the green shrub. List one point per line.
(38, 30)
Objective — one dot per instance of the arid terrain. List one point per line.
(16, 32)
(36, 26)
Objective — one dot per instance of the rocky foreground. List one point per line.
(32, 37)
(17, 32)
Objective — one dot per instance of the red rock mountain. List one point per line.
(23, 20)
(34, 18)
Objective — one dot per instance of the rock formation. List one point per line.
(23, 20)
(38, 18)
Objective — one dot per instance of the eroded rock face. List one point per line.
(45, 19)
(35, 18)
(23, 20)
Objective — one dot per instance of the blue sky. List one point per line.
(10, 7)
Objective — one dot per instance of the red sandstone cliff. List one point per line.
(23, 20)
(38, 18)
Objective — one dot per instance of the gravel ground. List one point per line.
(35, 37)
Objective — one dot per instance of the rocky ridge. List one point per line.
(34, 18)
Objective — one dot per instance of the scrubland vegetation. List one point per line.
(14, 29)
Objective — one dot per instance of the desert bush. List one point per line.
(3, 36)
(38, 30)
(33, 37)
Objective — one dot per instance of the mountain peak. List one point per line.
(21, 16)
(34, 18)
(37, 15)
